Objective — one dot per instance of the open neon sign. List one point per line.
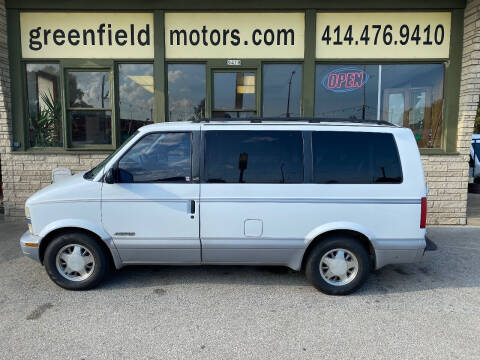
(345, 79)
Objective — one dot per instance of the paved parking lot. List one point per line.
(429, 310)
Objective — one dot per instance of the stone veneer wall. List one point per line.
(447, 176)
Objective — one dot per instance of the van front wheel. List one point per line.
(338, 266)
(75, 261)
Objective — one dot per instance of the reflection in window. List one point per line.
(233, 94)
(135, 90)
(158, 157)
(89, 111)
(254, 157)
(44, 107)
(409, 95)
(186, 92)
(90, 127)
(282, 90)
(89, 89)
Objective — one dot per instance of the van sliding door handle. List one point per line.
(192, 206)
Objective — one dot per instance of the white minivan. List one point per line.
(333, 198)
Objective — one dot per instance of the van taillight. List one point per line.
(423, 213)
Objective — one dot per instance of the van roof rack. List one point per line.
(313, 120)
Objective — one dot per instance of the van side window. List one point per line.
(254, 157)
(355, 158)
(157, 157)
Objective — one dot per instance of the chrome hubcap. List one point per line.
(75, 262)
(338, 267)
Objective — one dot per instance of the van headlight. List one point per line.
(28, 219)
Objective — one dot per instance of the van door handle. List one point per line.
(192, 206)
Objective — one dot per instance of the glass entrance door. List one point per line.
(234, 94)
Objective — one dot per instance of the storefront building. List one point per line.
(78, 78)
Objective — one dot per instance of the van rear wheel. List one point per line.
(338, 266)
(75, 261)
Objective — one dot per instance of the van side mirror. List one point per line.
(109, 177)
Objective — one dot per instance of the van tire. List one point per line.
(64, 243)
(326, 249)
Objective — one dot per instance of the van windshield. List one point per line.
(89, 175)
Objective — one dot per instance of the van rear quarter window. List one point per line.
(254, 157)
(355, 158)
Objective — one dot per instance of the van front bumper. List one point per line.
(30, 245)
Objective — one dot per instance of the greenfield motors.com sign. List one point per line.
(235, 35)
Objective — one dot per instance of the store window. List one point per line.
(346, 91)
(89, 107)
(44, 105)
(282, 90)
(412, 96)
(135, 103)
(409, 95)
(234, 94)
(186, 92)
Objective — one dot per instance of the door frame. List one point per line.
(408, 94)
(247, 65)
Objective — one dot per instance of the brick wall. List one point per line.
(24, 174)
(447, 176)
